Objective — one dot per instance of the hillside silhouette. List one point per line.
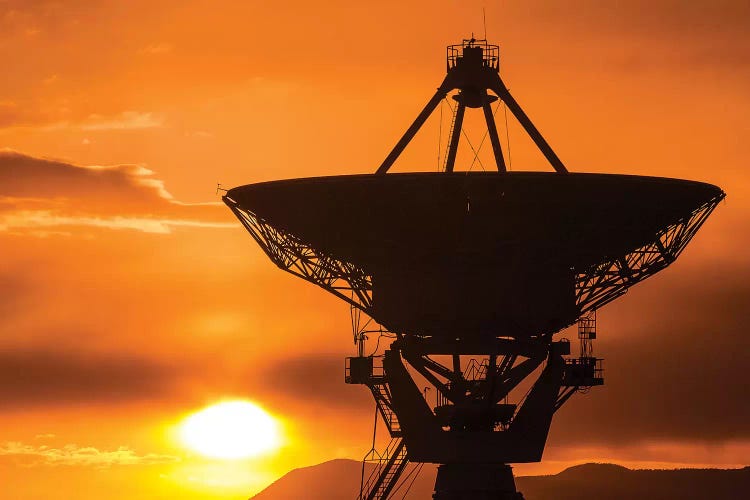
(339, 480)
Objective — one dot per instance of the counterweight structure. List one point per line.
(471, 275)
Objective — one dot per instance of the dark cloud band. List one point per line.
(33, 378)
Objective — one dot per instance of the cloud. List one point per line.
(14, 286)
(41, 194)
(86, 456)
(676, 357)
(653, 18)
(14, 115)
(127, 120)
(677, 362)
(40, 378)
(43, 219)
(37, 116)
(158, 48)
(639, 35)
(319, 381)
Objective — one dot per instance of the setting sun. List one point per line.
(231, 430)
(152, 346)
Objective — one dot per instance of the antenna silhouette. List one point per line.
(468, 277)
(484, 21)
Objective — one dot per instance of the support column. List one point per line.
(494, 139)
(455, 136)
(502, 92)
(413, 129)
(475, 482)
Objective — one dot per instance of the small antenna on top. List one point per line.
(484, 21)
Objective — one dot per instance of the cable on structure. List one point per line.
(405, 479)
(372, 449)
(418, 470)
(507, 136)
(484, 137)
(440, 135)
(463, 131)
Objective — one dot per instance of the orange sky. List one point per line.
(132, 298)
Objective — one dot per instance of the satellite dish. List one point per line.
(488, 264)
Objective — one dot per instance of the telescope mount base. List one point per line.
(475, 482)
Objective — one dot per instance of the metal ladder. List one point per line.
(385, 475)
(383, 399)
(450, 134)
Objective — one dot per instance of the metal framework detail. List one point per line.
(295, 256)
(594, 288)
(389, 466)
(480, 421)
(610, 279)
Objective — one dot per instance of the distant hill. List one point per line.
(613, 482)
(339, 480)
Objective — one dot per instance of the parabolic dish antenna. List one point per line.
(455, 264)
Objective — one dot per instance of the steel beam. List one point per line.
(455, 136)
(494, 139)
(413, 129)
(502, 92)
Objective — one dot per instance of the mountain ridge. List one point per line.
(339, 479)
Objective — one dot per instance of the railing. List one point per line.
(383, 400)
(490, 53)
(390, 465)
(373, 364)
(583, 372)
(587, 326)
(476, 370)
(440, 399)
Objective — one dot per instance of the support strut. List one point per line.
(494, 139)
(412, 130)
(458, 121)
(473, 73)
(475, 482)
(503, 93)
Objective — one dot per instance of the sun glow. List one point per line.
(231, 430)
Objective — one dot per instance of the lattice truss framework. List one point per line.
(594, 288)
(343, 279)
(605, 282)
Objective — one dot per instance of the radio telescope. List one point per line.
(469, 276)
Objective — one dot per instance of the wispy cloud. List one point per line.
(158, 48)
(127, 120)
(43, 378)
(29, 219)
(86, 456)
(18, 115)
(40, 194)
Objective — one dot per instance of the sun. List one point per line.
(231, 430)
